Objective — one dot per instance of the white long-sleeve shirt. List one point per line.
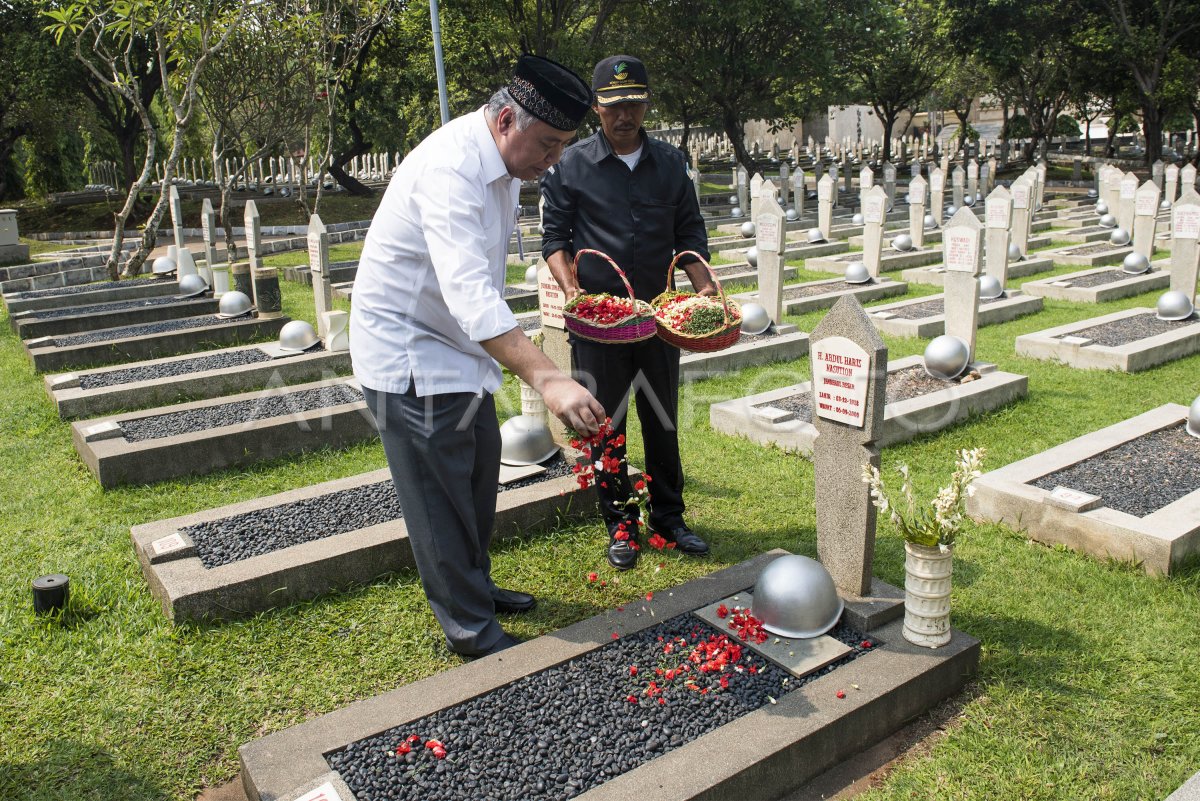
(430, 281)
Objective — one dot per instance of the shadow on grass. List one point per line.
(69, 769)
(1043, 655)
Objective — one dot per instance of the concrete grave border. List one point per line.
(113, 460)
(890, 260)
(935, 274)
(1015, 304)
(1159, 542)
(903, 421)
(882, 287)
(763, 754)
(15, 305)
(1133, 357)
(28, 326)
(1157, 278)
(72, 401)
(1065, 256)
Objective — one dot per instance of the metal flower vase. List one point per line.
(927, 594)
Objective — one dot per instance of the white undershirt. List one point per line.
(631, 159)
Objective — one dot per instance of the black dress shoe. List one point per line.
(511, 602)
(621, 552)
(686, 541)
(506, 641)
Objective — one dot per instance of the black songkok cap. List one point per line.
(550, 92)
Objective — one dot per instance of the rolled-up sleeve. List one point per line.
(452, 214)
(558, 214)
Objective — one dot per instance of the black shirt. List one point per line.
(640, 217)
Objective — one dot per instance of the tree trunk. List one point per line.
(733, 127)
(683, 140)
(1110, 148)
(1003, 134)
(889, 122)
(349, 183)
(1152, 128)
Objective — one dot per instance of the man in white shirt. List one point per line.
(429, 324)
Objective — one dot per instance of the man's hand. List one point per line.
(567, 400)
(708, 291)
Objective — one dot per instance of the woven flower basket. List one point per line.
(635, 327)
(722, 337)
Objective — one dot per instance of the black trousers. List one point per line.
(648, 370)
(444, 455)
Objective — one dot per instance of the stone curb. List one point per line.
(1132, 357)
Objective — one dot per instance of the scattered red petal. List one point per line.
(641, 485)
(650, 596)
(434, 744)
(592, 576)
(722, 611)
(840, 693)
(616, 636)
(662, 701)
(439, 753)
(633, 670)
(867, 644)
(412, 738)
(631, 699)
(403, 748)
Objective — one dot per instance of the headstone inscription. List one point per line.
(972, 181)
(318, 266)
(849, 378)
(1185, 233)
(889, 183)
(1145, 215)
(253, 244)
(1128, 200)
(208, 226)
(916, 211)
(962, 258)
(997, 220)
(554, 337)
(825, 193)
(1022, 194)
(799, 191)
(874, 212)
(770, 230)
(1171, 174)
(958, 180)
(937, 193)
(866, 180)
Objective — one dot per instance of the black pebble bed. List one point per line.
(745, 338)
(226, 414)
(902, 385)
(820, 289)
(1129, 329)
(146, 329)
(73, 290)
(559, 733)
(100, 308)
(232, 539)
(931, 308)
(150, 372)
(1098, 279)
(1088, 250)
(1137, 477)
(510, 291)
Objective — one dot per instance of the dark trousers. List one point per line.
(649, 370)
(444, 456)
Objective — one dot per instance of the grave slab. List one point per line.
(889, 318)
(188, 590)
(127, 345)
(56, 322)
(891, 260)
(763, 754)
(1072, 345)
(1083, 234)
(786, 344)
(211, 374)
(115, 456)
(935, 274)
(1159, 542)
(88, 294)
(813, 295)
(1099, 285)
(750, 417)
(1093, 254)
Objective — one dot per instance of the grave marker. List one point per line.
(784, 187)
(998, 210)
(1156, 173)
(1187, 179)
(743, 189)
(849, 378)
(1127, 201)
(1185, 255)
(833, 174)
(1112, 189)
(825, 193)
(866, 180)
(799, 191)
(972, 181)
(1172, 182)
(208, 225)
(1145, 214)
(937, 193)
(253, 243)
(987, 175)
(916, 211)
(889, 183)
(874, 212)
(770, 228)
(318, 266)
(962, 258)
(1022, 194)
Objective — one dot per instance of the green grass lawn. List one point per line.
(1087, 686)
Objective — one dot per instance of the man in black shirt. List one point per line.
(629, 196)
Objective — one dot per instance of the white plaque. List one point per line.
(1146, 204)
(550, 299)
(841, 372)
(1186, 224)
(873, 209)
(1073, 500)
(937, 181)
(1129, 189)
(767, 233)
(961, 249)
(316, 252)
(168, 544)
(323, 793)
(206, 223)
(866, 178)
(1020, 196)
(998, 211)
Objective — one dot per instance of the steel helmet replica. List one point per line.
(795, 597)
(946, 357)
(752, 256)
(163, 265)
(526, 440)
(856, 273)
(234, 304)
(191, 286)
(1174, 305)
(1119, 237)
(990, 287)
(531, 274)
(1135, 264)
(1193, 418)
(792, 215)
(857, 219)
(736, 211)
(297, 336)
(1014, 252)
(902, 243)
(930, 221)
(1108, 221)
(1101, 207)
(755, 319)
(815, 236)
(748, 229)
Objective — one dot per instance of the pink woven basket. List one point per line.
(635, 327)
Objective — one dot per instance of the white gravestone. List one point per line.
(1128, 199)
(866, 180)
(849, 378)
(1145, 207)
(1112, 189)
(916, 211)
(825, 193)
(550, 299)
(770, 228)
(176, 207)
(1171, 184)
(987, 176)
(1022, 194)
(937, 193)
(1185, 255)
(784, 186)
(972, 179)
(743, 188)
(208, 227)
(962, 256)
(998, 219)
(889, 183)
(874, 213)
(799, 191)
(1156, 173)
(318, 266)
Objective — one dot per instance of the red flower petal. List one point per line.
(650, 596)
(616, 636)
(867, 644)
(840, 693)
(592, 576)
